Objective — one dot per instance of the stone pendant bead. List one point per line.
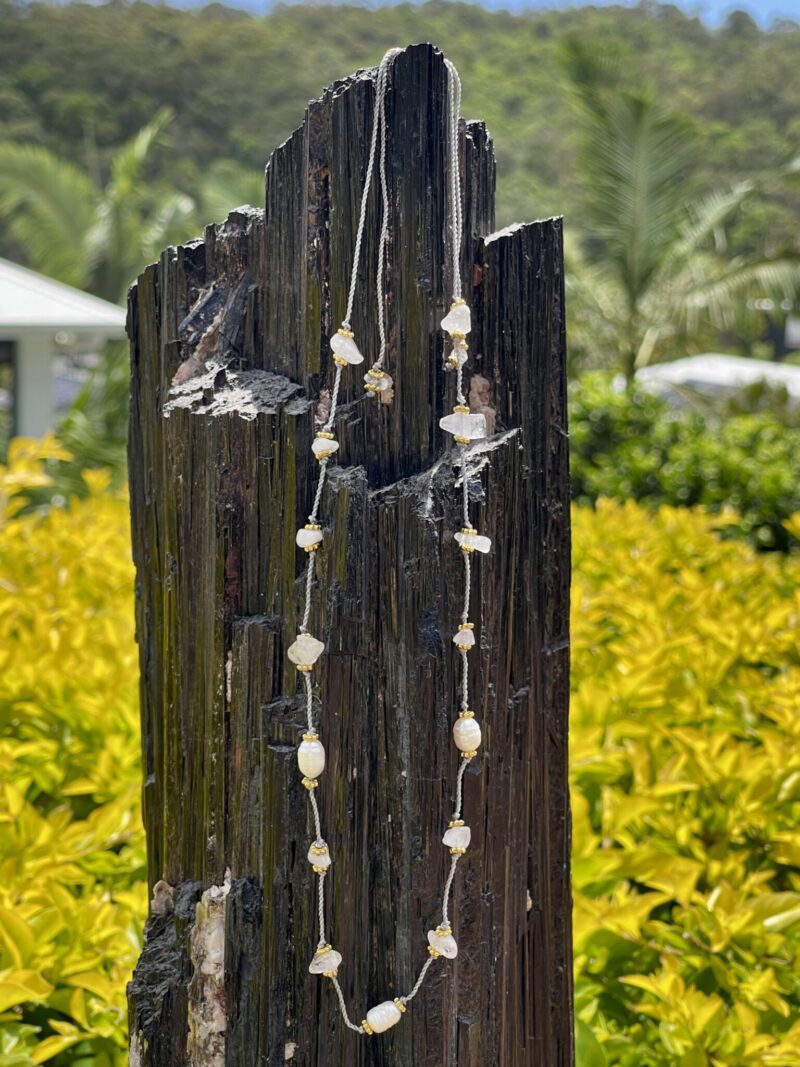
(464, 426)
(311, 758)
(470, 541)
(308, 538)
(457, 836)
(464, 639)
(346, 349)
(325, 961)
(305, 651)
(466, 734)
(458, 320)
(443, 941)
(383, 1016)
(318, 855)
(377, 380)
(322, 447)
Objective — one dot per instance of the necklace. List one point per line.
(464, 427)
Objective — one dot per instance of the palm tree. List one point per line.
(91, 235)
(655, 269)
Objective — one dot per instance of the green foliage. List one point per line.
(685, 757)
(626, 443)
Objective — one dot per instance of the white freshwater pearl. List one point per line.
(323, 447)
(325, 962)
(457, 836)
(476, 542)
(443, 943)
(311, 758)
(466, 734)
(461, 424)
(306, 538)
(465, 637)
(346, 348)
(383, 1016)
(306, 650)
(457, 319)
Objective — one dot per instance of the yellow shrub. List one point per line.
(685, 773)
(686, 793)
(72, 862)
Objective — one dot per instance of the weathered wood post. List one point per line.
(221, 476)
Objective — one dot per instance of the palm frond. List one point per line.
(49, 205)
(228, 185)
(128, 161)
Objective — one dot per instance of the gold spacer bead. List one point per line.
(444, 931)
(326, 435)
(340, 360)
(400, 1005)
(461, 409)
(469, 755)
(323, 948)
(466, 714)
(456, 822)
(319, 850)
(312, 526)
(346, 333)
(310, 548)
(461, 648)
(372, 388)
(323, 455)
(457, 336)
(304, 666)
(329, 974)
(467, 626)
(453, 361)
(375, 373)
(311, 737)
(469, 549)
(453, 852)
(319, 870)
(434, 952)
(459, 440)
(310, 783)
(458, 302)
(468, 530)
(366, 1027)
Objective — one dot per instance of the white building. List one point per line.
(48, 334)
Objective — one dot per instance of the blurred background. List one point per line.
(669, 138)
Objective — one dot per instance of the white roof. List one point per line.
(30, 301)
(713, 373)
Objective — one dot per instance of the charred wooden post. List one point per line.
(221, 476)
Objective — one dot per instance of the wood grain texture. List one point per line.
(221, 477)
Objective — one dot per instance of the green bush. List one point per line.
(627, 444)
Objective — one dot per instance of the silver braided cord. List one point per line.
(377, 157)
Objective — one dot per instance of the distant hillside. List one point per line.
(81, 78)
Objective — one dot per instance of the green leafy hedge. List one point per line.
(628, 444)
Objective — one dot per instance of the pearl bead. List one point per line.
(464, 426)
(458, 319)
(466, 734)
(305, 651)
(308, 538)
(473, 542)
(443, 941)
(457, 836)
(346, 349)
(465, 638)
(325, 961)
(311, 758)
(322, 447)
(383, 1016)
